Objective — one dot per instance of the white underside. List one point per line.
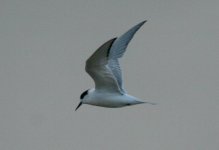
(105, 99)
(103, 66)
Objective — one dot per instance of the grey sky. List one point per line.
(173, 60)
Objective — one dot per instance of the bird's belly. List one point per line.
(109, 101)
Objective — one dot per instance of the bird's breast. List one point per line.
(109, 100)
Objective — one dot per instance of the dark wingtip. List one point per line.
(141, 23)
(113, 39)
(144, 21)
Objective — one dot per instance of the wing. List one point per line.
(118, 49)
(97, 67)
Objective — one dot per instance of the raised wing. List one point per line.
(118, 49)
(97, 68)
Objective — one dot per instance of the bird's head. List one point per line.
(83, 95)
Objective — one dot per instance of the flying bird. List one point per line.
(103, 66)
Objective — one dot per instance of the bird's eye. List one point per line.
(83, 94)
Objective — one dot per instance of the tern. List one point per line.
(103, 66)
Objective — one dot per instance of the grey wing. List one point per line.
(118, 49)
(97, 67)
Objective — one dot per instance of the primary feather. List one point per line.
(103, 65)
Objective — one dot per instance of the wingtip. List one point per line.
(143, 22)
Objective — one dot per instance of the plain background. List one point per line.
(172, 60)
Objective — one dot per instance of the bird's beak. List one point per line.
(78, 105)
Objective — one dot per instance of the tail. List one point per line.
(144, 102)
(152, 103)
